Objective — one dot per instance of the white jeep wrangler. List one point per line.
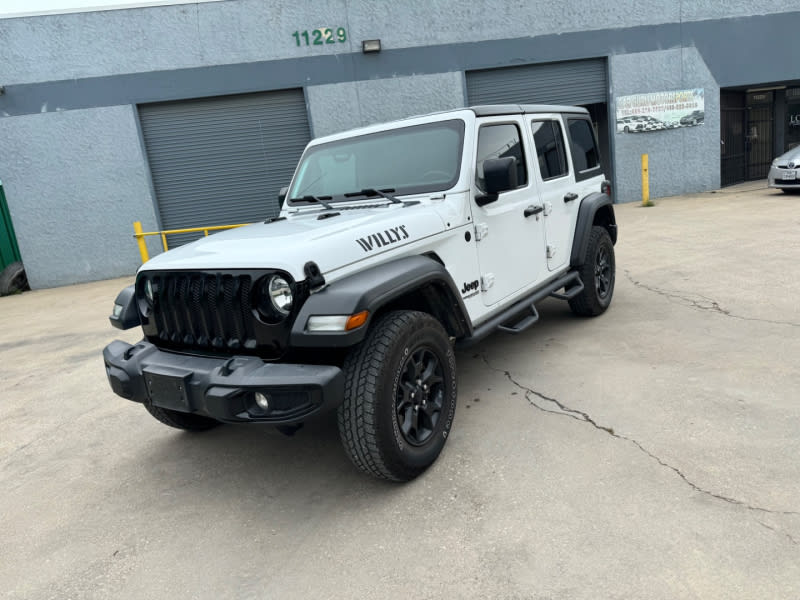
(396, 243)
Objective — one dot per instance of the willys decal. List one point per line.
(383, 238)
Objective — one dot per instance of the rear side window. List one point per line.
(585, 157)
(500, 141)
(549, 143)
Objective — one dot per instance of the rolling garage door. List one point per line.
(573, 82)
(219, 161)
(576, 82)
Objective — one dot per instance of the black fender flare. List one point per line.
(591, 205)
(371, 290)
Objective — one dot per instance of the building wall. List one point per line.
(76, 181)
(72, 164)
(79, 45)
(681, 160)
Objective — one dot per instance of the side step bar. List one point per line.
(523, 323)
(523, 313)
(570, 292)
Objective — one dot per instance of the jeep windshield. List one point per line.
(409, 160)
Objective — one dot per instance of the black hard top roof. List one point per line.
(489, 110)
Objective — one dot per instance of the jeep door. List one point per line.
(568, 169)
(510, 230)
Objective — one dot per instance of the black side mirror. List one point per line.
(282, 195)
(499, 175)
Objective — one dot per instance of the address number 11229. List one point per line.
(320, 36)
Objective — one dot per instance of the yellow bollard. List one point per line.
(139, 235)
(646, 181)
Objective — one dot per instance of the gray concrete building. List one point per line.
(195, 114)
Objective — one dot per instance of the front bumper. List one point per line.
(775, 178)
(222, 388)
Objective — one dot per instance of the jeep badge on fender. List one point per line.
(287, 320)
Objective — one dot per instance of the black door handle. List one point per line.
(533, 210)
(570, 197)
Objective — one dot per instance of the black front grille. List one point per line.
(204, 311)
(210, 312)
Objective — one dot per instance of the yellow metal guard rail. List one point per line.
(140, 235)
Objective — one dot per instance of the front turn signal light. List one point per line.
(331, 323)
(357, 320)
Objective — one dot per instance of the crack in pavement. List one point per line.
(579, 415)
(701, 302)
(788, 536)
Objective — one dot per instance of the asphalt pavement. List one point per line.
(651, 452)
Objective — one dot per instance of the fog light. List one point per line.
(262, 400)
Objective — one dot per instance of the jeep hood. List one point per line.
(288, 244)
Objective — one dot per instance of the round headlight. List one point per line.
(280, 294)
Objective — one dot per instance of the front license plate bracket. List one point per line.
(168, 388)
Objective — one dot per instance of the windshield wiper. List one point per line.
(315, 199)
(373, 192)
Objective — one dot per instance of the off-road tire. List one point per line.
(597, 274)
(13, 279)
(378, 373)
(180, 420)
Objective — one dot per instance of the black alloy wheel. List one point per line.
(602, 272)
(420, 396)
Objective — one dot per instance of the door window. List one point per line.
(500, 141)
(549, 142)
(585, 157)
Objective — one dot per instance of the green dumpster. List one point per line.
(12, 274)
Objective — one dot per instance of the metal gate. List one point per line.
(760, 123)
(747, 124)
(218, 161)
(732, 121)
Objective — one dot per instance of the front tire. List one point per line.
(400, 396)
(181, 420)
(598, 274)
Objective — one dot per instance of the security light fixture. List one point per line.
(368, 46)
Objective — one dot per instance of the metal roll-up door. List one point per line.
(220, 161)
(571, 82)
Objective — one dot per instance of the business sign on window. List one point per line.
(640, 113)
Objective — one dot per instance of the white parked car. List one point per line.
(784, 174)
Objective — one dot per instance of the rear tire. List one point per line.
(180, 420)
(597, 273)
(400, 396)
(13, 279)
